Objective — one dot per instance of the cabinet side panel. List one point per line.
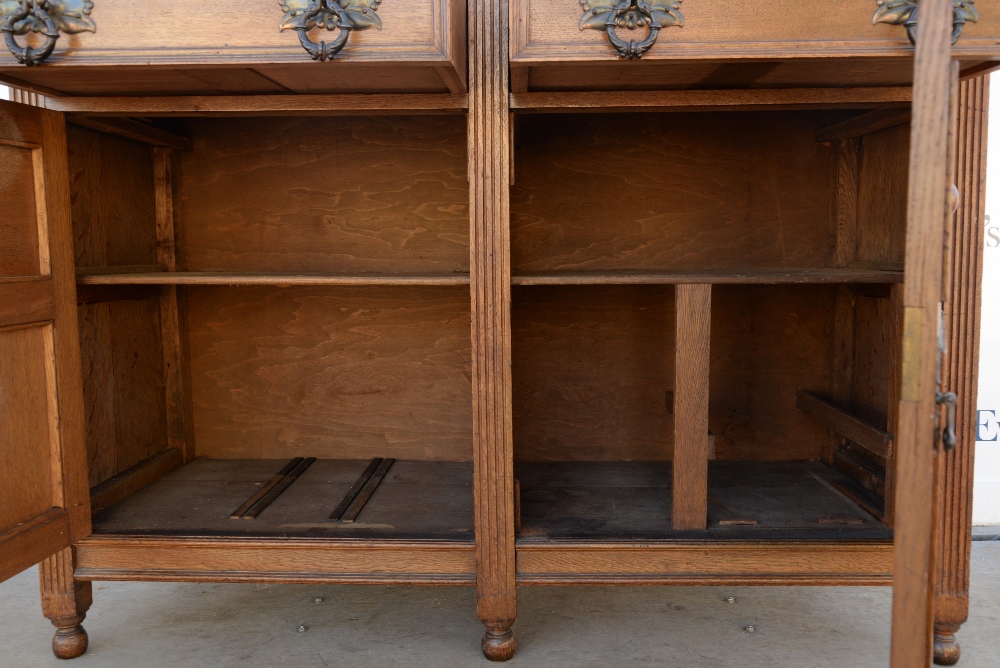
(111, 183)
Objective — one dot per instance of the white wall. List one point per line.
(986, 491)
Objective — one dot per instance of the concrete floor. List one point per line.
(188, 625)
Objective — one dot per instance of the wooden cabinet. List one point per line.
(669, 320)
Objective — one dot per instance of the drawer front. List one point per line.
(550, 30)
(214, 32)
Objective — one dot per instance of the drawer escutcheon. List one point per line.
(345, 15)
(904, 13)
(45, 17)
(610, 15)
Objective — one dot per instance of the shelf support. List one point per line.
(691, 444)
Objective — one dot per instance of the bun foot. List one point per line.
(499, 645)
(947, 651)
(70, 642)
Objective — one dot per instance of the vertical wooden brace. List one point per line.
(179, 421)
(691, 373)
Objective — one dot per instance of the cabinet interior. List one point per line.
(299, 287)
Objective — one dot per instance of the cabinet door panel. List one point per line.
(44, 504)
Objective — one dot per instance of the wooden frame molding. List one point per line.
(304, 561)
(260, 105)
(706, 562)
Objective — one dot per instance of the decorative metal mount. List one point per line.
(610, 15)
(904, 13)
(45, 17)
(345, 15)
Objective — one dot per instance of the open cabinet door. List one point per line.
(930, 204)
(44, 497)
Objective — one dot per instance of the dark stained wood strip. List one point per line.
(127, 128)
(98, 294)
(355, 489)
(240, 513)
(279, 489)
(366, 492)
(875, 440)
(862, 497)
(133, 479)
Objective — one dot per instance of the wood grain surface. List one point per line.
(19, 223)
(593, 366)
(692, 354)
(123, 384)
(700, 192)
(326, 195)
(114, 211)
(331, 373)
(186, 46)
(548, 31)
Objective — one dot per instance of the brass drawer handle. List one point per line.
(345, 15)
(45, 17)
(610, 15)
(904, 13)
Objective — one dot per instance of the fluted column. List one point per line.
(489, 186)
(961, 370)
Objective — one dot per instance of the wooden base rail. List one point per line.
(876, 441)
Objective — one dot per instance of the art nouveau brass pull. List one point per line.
(610, 15)
(904, 13)
(45, 17)
(344, 15)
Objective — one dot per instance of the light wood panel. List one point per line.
(19, 224)
(691, 399)
(700, 192)
(326, 195)
(332, 373)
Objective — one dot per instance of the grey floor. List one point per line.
(189, 625)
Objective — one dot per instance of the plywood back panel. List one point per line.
(670, 191)
(768, 341)
(123, 382)
(593, 371)
(111, 183)
(592, 368)
(28, 413)
(331, 372)
(345, 194)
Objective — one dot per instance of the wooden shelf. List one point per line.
(753, 277)
(131, 276)
(245, 279)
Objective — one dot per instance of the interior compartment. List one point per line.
(792, 240)
(286, 288)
